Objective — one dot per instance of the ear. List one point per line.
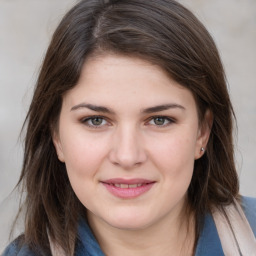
(203, 135)
(57, 144)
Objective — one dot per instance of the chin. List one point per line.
(130, 222)
(130, 226)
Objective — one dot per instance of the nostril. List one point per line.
(127, 148)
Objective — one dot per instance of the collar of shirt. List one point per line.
(208, 244)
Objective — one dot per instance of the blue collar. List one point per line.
(87, 245)
(208, 243)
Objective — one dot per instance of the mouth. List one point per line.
(128, 189)
(127, 185)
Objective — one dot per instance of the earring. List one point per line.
(202, 149)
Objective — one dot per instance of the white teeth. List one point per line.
(124, 186)
(127, 185)
(133, 186)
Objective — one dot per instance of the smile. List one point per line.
(127, 185)
(128, 189)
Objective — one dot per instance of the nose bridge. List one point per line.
(127, 148)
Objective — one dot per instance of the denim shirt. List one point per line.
(208, 244)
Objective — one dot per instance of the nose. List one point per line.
(127, 149)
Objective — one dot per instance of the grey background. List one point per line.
(26, 27)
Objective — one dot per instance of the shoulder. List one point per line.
(249, 206)
(16, 248)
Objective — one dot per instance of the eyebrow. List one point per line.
(162, 108)
(93, 107)
(103, 109)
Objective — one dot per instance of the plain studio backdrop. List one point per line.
(26, 27)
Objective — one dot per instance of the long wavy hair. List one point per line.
(160, 31)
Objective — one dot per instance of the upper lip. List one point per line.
(127, 181)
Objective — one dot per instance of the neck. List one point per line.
(174, 236)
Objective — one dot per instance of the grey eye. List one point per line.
(159, 120)
(96, 121)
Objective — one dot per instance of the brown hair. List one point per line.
(160, 31)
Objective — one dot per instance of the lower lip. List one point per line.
(128, 193)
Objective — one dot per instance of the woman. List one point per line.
(129, 146)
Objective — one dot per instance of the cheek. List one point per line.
(175, 150)
(83, 159)
(83, 154)
(174, 157)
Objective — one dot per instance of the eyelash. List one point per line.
(86, 121)
(165, 118)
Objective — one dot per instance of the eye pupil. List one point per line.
(159, 120)
(97, 121)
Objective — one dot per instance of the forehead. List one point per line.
(117, 80)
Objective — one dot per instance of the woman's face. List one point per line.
(129, 136)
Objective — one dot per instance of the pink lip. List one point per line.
(128, 193)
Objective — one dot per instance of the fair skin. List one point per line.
(129, 136)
